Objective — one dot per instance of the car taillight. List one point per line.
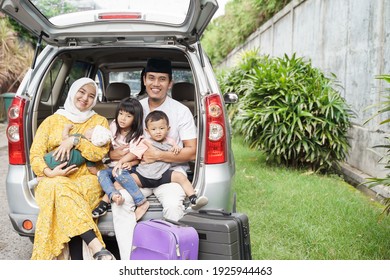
(16, 152)
(215, 130)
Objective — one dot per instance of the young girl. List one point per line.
(127, 132)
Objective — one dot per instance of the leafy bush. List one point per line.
(290, 110)
(384, 108)
(234, 80)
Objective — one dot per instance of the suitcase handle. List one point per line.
(215, 212)
(163, 222)
(168, 222)
(173, 222)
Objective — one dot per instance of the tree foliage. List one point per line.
(17, 43)
(241, 18)
(51, 8)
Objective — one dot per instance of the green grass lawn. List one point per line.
(298, 215)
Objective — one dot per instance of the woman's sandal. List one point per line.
(102, 253)
(101, 209)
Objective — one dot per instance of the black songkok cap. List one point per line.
(159, 66)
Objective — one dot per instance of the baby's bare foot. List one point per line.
(141, 210)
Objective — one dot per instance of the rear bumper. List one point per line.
(105, 223)
(17, 223)
(216, 185)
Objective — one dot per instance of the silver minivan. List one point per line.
(110, 41)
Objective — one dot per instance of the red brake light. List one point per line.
(215, 130)
(16, 152)
(119, 16)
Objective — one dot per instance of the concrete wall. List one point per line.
(350, 38)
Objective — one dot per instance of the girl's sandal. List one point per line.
(103, 253)
(101, 209)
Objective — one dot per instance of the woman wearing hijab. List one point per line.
(66, 195)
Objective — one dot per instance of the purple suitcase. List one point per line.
(164, 240)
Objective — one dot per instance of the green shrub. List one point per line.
(291, 111)
(234, 80)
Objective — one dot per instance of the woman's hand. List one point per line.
(59, 171)
(63, 151)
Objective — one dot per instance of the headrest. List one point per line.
(117, 91)
(183, 91)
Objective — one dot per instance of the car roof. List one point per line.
(91, 22)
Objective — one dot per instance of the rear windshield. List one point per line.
(69, 12)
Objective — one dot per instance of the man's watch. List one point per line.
(76, 140)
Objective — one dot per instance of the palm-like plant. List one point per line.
(15, 58)
(384, 108)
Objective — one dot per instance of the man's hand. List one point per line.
(118, 153)
(152, 154)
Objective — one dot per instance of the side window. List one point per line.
(80, 69)
(182, 75)
(49, 80)
(99, 82)
(131, 77)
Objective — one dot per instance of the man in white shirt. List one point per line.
(158, 81)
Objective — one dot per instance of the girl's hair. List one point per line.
(134, 107)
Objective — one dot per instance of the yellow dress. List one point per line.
(65, 203)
